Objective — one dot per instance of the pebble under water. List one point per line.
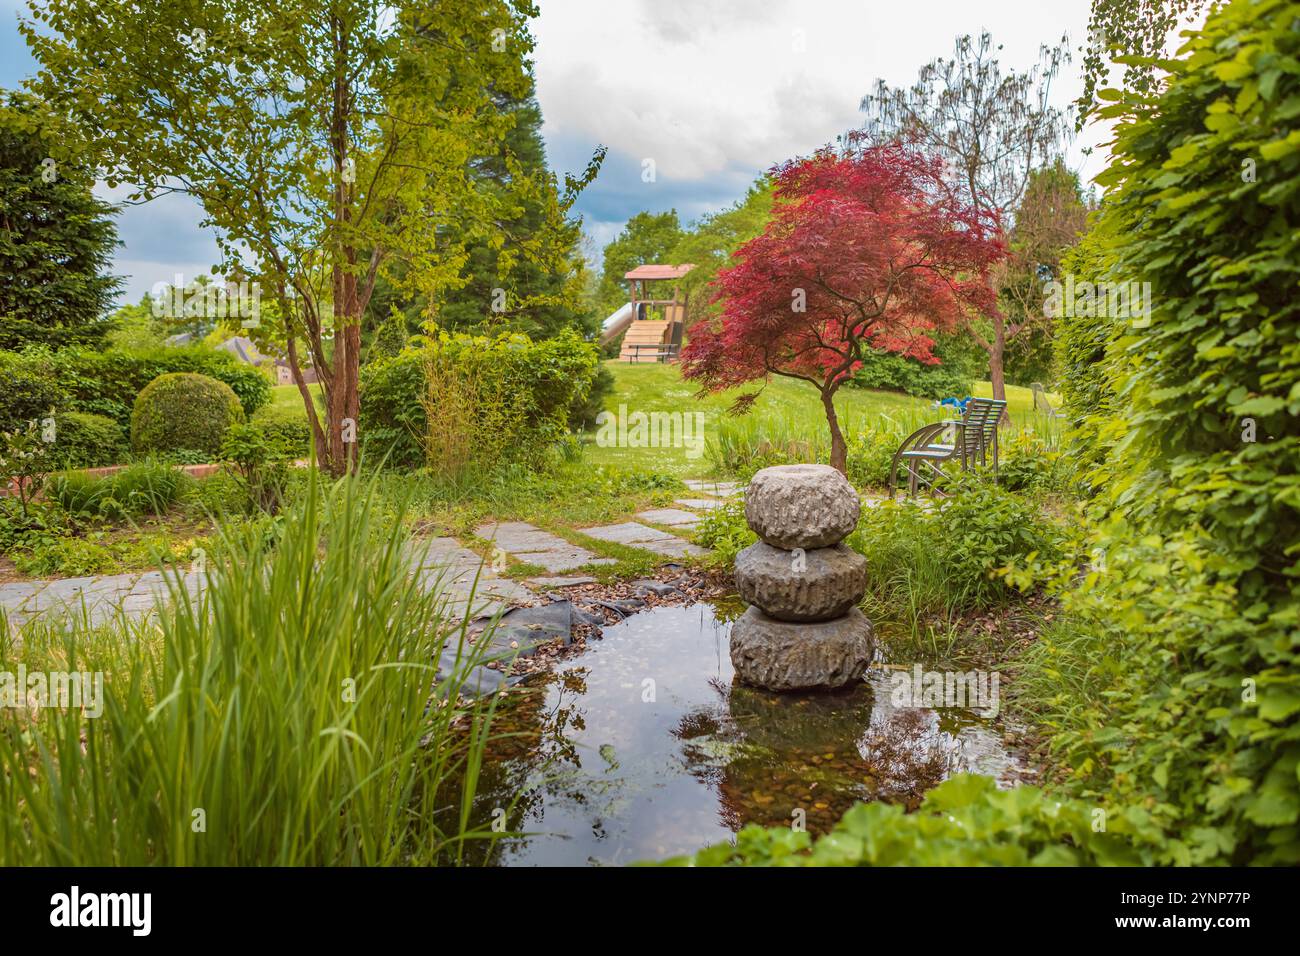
(641, 747)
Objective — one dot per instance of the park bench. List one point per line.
(659, 352)
(974, 439)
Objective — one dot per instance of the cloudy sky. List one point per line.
(712, 91)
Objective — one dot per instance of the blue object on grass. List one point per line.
(956, 403)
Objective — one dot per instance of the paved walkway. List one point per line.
(100, 596)
(469, 584)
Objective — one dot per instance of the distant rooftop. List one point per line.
(659, 272)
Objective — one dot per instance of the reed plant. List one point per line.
(288, 713)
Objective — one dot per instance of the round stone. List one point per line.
(815, 585)
(801, 506)
(781, 655)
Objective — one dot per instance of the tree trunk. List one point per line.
(839, 449)
(997, 357)
(344, 405)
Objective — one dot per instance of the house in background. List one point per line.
(246, 351)
(284, 374)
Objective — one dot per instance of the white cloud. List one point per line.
(722, 90)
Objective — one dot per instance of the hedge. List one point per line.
(1193, 622)
(83, 440)
(497, 400)
(107, 383)
(29, 393)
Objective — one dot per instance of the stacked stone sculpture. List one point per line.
(803, 630)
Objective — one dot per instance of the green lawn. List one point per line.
(288, 396)
(786, 406)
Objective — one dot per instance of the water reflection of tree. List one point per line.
(769, 755)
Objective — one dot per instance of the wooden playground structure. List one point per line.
(653, 321)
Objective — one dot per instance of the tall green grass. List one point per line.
(288, 716)
(742, 445)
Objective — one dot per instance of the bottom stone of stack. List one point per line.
(781, 655)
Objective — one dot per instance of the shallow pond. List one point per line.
(641, 748)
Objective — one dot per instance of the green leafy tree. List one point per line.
(56, 241)
(136, 327)
(709, 243)
(506, 287)
(992, 128)
(1136, 31)
(327, 142)
(1049, 219)
(647, 237)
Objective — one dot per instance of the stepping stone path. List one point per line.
(470, 586)
(534, 546)
(98, 596)
(719, 489)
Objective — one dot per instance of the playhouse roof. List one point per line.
(651, 271)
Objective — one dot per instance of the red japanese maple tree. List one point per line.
(867, 250)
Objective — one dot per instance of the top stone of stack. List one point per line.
(801, 506)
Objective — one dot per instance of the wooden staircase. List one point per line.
(644, 332)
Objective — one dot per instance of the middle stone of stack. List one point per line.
(804, 629)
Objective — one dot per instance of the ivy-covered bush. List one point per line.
(1188, 622)
(83, 440)
(448, 401)
(107, 383)
(182, 410)
(1081, 341)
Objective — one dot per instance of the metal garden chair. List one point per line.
(974, 438)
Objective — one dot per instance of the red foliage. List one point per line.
(882, 252)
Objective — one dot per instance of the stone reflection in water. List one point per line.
(643, 747)
(809, 757)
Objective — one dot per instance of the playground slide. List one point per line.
(618, 320)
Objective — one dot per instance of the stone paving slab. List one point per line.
(98, 598)
(700, 504)
(470, 587)
(649, 539)
(532, 545)
(669, 516)
(627, 532)
(722, 489)
(561, 581)
(674, 548)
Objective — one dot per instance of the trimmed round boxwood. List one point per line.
(83, 440)
(183, 411)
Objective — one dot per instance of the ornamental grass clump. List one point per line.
(291, 714)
